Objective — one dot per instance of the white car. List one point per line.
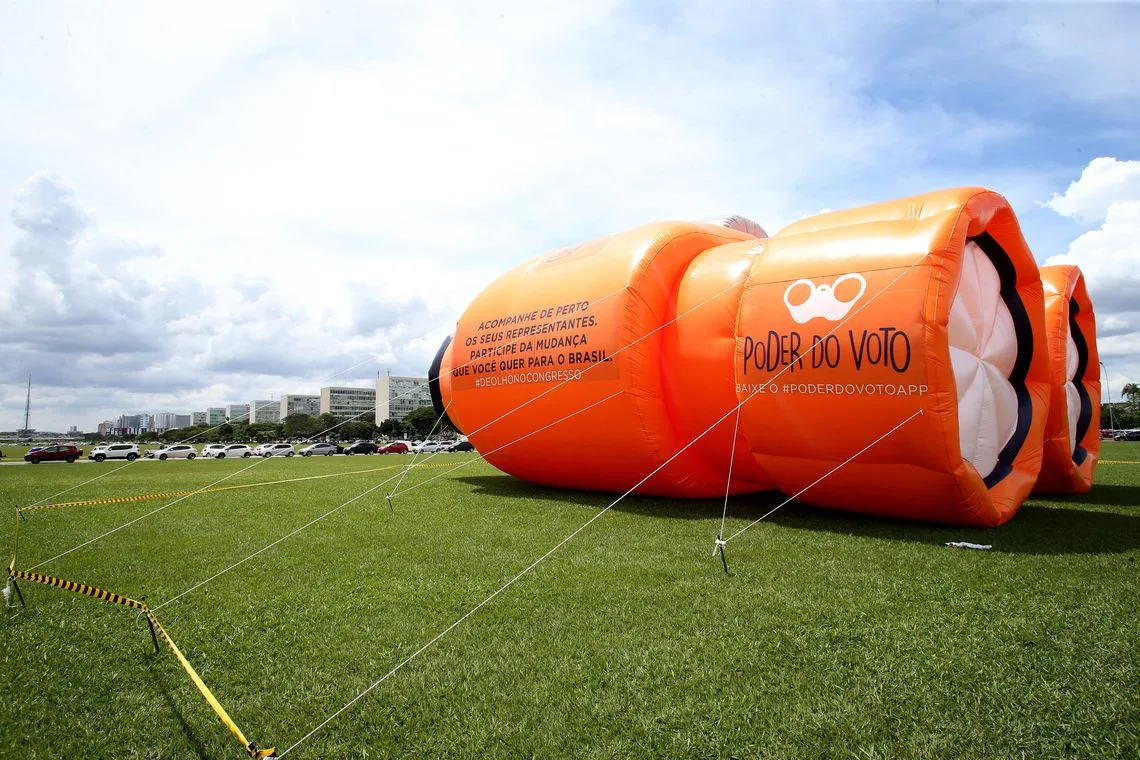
(234, 450)
(428, 447)
(127, 451)
(276, 450)
(177, 451)
(260, 449)
(212, 449)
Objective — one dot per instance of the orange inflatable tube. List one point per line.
(856, 321)
(1072, 433)
(889, 359)
(555, 371)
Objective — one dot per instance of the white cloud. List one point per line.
(276, 191)
(107, 324)
(1108, 191)
(1104, 182)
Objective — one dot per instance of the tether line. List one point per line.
(823, 477)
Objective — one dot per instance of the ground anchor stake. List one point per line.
(719, 548)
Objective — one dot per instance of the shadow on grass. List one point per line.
(156, 668)
(507, 487)
(1037, 528)
(1111, 495)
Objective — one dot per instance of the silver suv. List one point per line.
(127, 451)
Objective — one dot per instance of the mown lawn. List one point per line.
(835, 636)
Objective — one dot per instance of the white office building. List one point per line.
(397, 396)
(237, 413)
(264, 410)
(354, 403)
(198, 418)
(164, 421)
(132, 424)
(297, 404)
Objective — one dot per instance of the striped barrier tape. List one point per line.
(172, 494)
(156, 628)
(125, 601)
(251, 749)
(79, 588)
(112, 500)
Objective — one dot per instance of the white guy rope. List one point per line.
(80, 485)
(314, 521)
(823, 477)
(355, 498)
(504, 587)
(728, 480)
(737, 408)
(482, 457)
(589, 522)
(412, 464)
(143, 517)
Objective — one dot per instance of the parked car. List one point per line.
(321, 449)
(361, 447)
(462, 446)
(278, 450)
(212, 449)
(234, 450)
(175, 451)
(1127, 435)
(127, 451)
(399, 447)
(60, 453)
(429, 447)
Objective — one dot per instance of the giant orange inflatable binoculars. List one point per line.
(904, 359)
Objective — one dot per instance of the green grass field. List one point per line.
(835, 636)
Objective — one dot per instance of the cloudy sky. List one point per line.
(208, 203)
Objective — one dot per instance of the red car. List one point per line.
(62, 453)
(393, 448)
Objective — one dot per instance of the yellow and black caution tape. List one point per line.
(112, 500)
(79, 588)
(97, 593)
(172, 494)
(250, 748)
(156, 628)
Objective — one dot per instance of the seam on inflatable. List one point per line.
(963, 473)
(669, 315)
(1084, 417)
(1018, 377)
(937, 331)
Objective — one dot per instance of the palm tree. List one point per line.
(1132, 393)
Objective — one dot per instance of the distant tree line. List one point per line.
(1123, 416)
(417, 424)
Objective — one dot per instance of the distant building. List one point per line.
(199, 418)
(131, 424)
(397, 396)
(106, 428)
(264, 410)
(348, 402)
(310, 405)
(182, 420)
(215, 415)
(73, 430)
(164, 421)
(237, 413)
